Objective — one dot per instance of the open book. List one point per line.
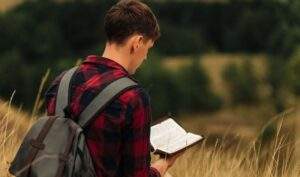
(168, 138)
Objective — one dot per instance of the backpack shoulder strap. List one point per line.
(104, 98)
(62, 99)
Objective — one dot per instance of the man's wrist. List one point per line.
(161, 165)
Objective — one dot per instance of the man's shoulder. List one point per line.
(135, 95)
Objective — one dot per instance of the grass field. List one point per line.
(221, 158)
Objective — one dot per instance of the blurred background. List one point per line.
(220, 66)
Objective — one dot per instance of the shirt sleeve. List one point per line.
(136, 138)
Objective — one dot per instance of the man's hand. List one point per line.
(171, 159)
(163, 164)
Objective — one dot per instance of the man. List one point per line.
(118, 137)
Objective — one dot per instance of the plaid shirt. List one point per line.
(118, 137)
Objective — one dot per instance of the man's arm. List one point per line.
(136, 138)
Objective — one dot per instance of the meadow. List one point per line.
(234, 144)
(227, 156)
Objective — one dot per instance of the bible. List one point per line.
(168, 138)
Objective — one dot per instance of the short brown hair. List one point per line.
(129, 17)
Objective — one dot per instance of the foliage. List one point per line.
(186, 90)
(294, 72)
(189, 41)
(37, 35)
(276, 78)
(16, 75)
(284, 40)
(268, 133)
(72, 28)
(286, 36)
(242, 82)
(160, 84)
(195, 92)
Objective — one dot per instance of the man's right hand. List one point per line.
(170, 160)
(163, 164)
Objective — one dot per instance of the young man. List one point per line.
(118, 137)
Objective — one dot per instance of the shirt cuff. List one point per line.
(154, 172)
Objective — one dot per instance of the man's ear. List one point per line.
(136, 42)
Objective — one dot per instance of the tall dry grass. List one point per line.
(251, 161)
(13, 126)
(274, 159)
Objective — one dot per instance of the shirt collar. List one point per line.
(99, 60)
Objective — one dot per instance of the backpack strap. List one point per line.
(108, 94)
(62, 99)
(97, 104)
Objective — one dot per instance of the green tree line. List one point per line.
(37, 35)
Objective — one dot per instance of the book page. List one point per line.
(165, 133)
(180, 143)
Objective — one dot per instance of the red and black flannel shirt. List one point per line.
(118, 137)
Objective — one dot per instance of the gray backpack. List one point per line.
(55, 145)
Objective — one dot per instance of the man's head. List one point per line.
(131, 25)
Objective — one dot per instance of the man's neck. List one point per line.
(117, 54)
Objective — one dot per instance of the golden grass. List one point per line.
(222, 159)
(251, 161)
(14, 124)
(254, 158)
(8, 4)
